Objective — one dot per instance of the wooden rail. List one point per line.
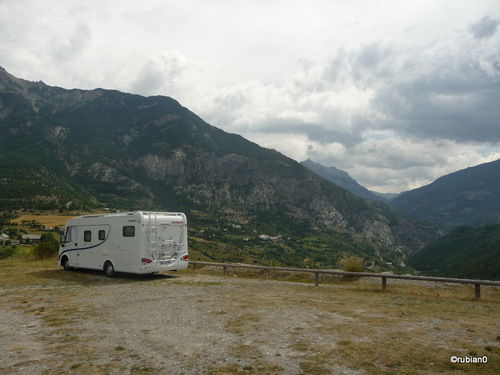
(477, 283)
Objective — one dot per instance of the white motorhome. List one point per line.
(132, 242)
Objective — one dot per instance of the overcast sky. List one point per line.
(397, 93)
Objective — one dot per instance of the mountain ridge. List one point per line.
(83, 148)
(468, 197)
(342, 179)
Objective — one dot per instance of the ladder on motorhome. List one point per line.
(153, 234)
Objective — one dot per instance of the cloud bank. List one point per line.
(397, 94)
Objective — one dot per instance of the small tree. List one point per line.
(47, 247)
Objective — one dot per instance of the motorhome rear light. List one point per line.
(146, 260)
(184, 257)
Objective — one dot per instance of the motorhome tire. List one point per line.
(66, 265)
(109, 269)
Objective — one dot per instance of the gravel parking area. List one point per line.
(193, 323)
(161, 324)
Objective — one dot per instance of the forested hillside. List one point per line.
(465, 252)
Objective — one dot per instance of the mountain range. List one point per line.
(467, 197)
(84, 149)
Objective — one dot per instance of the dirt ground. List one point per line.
(80, 322)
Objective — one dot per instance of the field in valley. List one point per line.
(199, 322)
(48, 220)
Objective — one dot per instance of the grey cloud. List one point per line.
(461, 110)
(420, 94)
(74, 45)
(323, 133)
(372, 56)
(485, 28)
(337, 70)
(148, 81)
(231, 101)
(373, 62)
(164, 73)
(453, 95)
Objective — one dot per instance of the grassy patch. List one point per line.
(243, 322)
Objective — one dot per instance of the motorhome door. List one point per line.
(71, 244)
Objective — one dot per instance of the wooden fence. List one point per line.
(477, 283)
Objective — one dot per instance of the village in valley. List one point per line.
(20, 232)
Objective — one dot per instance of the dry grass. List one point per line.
(274, 327)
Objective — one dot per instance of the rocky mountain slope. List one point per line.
(76, 148)
(467, 197)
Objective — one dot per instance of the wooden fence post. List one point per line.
(384, 284)
(477, 290)
(225, 269)
(316, 278)
(266, 273)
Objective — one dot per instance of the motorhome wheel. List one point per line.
(66, 265)
(109, 269)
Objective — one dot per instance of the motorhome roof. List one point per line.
(118, 214)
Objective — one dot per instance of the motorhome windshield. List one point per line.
(70, 235)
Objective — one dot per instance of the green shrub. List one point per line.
(6, 252)
(45, 250)
(47, 247)
(352, 267)
(352, 264)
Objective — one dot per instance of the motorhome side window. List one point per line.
(87, 236)
(101, 235)
(128, 231)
